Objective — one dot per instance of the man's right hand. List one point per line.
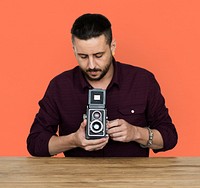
(89, 145)
(59, 144)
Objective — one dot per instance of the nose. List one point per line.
(91, 63)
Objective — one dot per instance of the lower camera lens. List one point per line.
(96, 126)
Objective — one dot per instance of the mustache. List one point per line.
(93, 70)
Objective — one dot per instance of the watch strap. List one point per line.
(150, 140)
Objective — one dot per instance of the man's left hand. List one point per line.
(120, 130)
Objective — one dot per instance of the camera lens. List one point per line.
(96, 114)
(96, 126)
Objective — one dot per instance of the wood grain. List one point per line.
(99, 172)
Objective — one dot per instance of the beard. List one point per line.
(103, 72)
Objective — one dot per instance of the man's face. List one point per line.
(94, 57)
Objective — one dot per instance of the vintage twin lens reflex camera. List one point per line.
(96, 114)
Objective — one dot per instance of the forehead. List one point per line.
(93, 45)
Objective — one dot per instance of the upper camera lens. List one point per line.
(96, 114)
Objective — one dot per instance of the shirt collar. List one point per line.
(116, 79)
(84, 83)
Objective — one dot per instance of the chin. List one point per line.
(94, 79)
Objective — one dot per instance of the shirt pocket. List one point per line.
(133, 114)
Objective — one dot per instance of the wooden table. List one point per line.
(99, 172)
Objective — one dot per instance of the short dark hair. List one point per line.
(88, 26)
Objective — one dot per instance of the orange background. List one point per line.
(161, 36)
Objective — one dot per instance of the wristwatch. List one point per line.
(150, 141)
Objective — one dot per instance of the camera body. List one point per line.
(96, 114)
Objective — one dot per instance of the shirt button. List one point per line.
(132, 111)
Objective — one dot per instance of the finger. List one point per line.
(119, 139)
(97, 146)
(115, 135)
(114, 130)
(84, 123)
(113, 123)
(97, 141)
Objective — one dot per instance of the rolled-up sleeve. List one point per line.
(158, 116)
(45, 125)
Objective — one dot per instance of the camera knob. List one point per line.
(84, 116)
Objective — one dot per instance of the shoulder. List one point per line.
(66, 75)
(64, 79)
(128, 70)
(135, 77)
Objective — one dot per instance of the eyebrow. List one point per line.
(92, 54)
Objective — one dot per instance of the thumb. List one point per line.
(84, 123)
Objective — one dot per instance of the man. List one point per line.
(137, 116)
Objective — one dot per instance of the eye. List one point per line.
(82, 56)
(99, 55)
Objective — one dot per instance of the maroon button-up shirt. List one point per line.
(133, 95)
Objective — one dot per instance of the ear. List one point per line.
(74, 49)
(113, 46)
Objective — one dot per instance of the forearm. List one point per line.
(142, 137)
(59, 144)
